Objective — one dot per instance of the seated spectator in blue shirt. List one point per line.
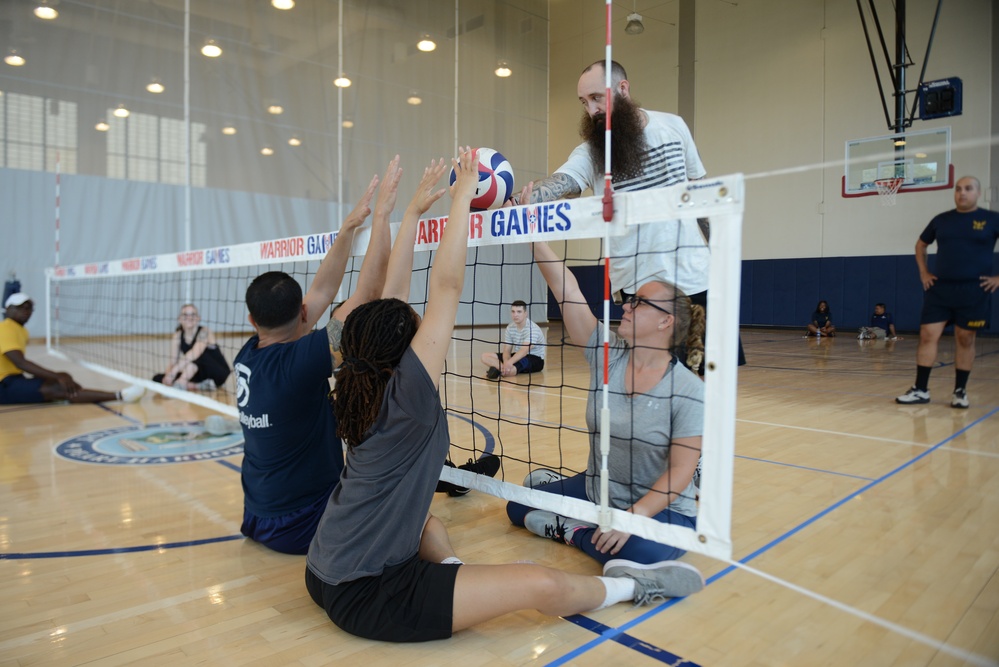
(882, 324)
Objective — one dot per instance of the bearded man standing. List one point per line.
(649, 149)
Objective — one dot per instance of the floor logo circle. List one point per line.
(151, 444)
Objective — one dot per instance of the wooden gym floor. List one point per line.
(885, 517)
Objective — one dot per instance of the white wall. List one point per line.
(783, 85)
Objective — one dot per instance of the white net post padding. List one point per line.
(721, 199)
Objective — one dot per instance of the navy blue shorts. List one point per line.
(289, 533)
(409, 602)
(530, 363)
(963, 303)
(19, 389)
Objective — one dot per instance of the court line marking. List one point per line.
(974, 658)
(118, 550)
(122, 614)
(911, 443)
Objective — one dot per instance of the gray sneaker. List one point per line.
(207, 385)
(656, 582)
(553, 526)
(541, 476)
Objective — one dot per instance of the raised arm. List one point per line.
(371, 279)
(329, 275)
(579, 319)
(447, 277)
(400, 268)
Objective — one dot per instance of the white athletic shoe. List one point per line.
(657, 581)
(207, 385)
(219, 425)
(959, 399)
(131, 394)
(913, 397)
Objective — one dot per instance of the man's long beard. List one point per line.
(627, 139)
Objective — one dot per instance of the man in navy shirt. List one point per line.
(292, 456)
(959, 289)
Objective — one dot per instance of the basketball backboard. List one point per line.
(921, 158)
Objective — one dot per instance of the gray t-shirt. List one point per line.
(374, 518)
(642, 426)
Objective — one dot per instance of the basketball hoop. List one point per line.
(887, 189)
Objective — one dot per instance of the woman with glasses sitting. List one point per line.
(656, 407)
(196, 362)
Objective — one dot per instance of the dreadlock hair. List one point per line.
(688, 327)
(375, 336)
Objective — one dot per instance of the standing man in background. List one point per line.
(959, 290)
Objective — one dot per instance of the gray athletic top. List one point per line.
(374, 518)
(642, 426)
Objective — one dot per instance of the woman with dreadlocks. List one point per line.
(380, 564)
(657, 415)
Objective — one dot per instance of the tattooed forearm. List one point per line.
(556, 186)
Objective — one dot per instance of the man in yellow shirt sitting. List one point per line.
(44, 385)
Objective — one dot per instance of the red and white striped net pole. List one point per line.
(608, 209)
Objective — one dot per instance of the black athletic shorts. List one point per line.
(409, 602)
(963, 303)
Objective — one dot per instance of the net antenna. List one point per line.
(608, 215)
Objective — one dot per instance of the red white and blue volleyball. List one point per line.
(495, 179)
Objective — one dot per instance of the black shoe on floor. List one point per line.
(492, 373)
(488, 465)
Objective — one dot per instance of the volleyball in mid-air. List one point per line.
(495, 179)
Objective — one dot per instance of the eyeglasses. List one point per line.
(635, 301)
(188, 314)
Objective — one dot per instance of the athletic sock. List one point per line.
(619, 589)
(923, 377)
(452, 560)
(961, 379)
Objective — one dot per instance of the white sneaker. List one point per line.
(913, 397)
(959, 399)
(657, 581)
(131, 394)
(219, 425)
(207, 385)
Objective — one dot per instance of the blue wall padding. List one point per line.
(784, 292)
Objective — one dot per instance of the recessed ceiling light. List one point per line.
(102, 126)
(283, 4)
(267, 150)
(121, 112)
(414, 99)
(275, 109)
(229, 130)
(13, 58)
(294, 141)
(211, 49)
(342, 81)
(155, 86)
(45, 11)
(503, 69)
(348, 124)
(426, 43)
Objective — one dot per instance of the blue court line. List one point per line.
(792, 465)
(615, 633)
(133, 420)
(646, 649)
(230, 465)
(119, 550)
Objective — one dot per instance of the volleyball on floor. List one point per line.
(495, 179)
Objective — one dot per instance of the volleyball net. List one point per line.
(117, 317)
